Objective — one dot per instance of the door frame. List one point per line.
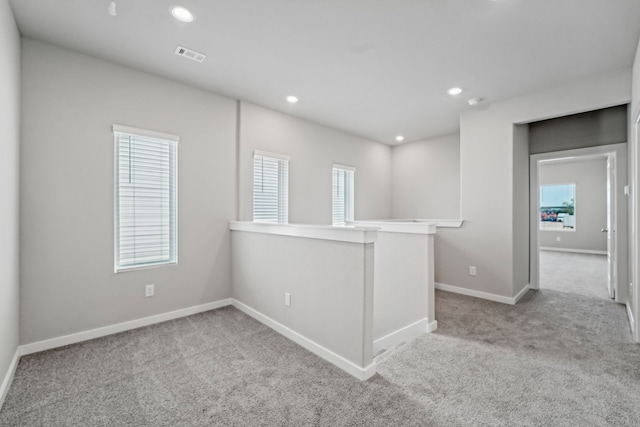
(633, 308)
(619, 151)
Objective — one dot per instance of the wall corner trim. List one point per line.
(119, 327)
(361, 373)
(8, 378)
(630, 316)
(482, 295)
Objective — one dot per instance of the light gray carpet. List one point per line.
(554, 359)
(575, 273)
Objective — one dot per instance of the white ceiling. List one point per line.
(374, 68)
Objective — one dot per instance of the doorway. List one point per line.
(578, 211)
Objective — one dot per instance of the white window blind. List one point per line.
(270, 188)
(342, 206)
(145, 198)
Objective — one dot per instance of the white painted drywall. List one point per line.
(313, 150)
(426, 184)
(590, 178)
(330, 283)
(70, 101)
(9, 186)
(520, 193)
(634, 182)
(487, 159)
(403, 291)
(426, 178)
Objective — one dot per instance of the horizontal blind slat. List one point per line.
(146, 205)
(270, 189)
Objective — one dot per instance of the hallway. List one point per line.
(574, 273)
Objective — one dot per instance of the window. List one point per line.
(145, 198)
(270, 187)
(557, 210)
(342, 205)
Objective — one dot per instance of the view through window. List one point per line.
(557, 207)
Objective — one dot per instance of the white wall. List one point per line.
(590, 178)
(426, 178)
(313, 150)
(330, 283)
(9, 174)
(403, 291)
(520, 193)
(634, 160)
(487, 158)
(426, 184)
(70, 102)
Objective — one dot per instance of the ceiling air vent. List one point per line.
(190, 54)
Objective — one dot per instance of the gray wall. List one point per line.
(487, 158)
(313, 150)
(70, 102)
(426, 184)
(590, 177)
(9, 174)
(593, 128)
(426, 179)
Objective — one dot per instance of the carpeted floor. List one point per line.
(554, 359)
(575, 273)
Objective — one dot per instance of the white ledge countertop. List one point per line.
(391, 226)
(440, 223)
(350, 234)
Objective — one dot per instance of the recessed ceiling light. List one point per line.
(454, 91)
(474, 101)
(181, 14)
(399, 138)
(292, 99)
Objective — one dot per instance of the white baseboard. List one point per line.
(432, 326)
(631, 320)
(578, 251)
(362, 373)
(520, 294)
(8, 377)
(404, 334)
(483, 295)
(119, 327)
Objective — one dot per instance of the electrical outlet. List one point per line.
(557, 238)
(472, 270)
(287, 299)
(149, 290)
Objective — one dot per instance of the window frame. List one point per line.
(564, 228)
(282, 187)
(171, 143)
(348, 195)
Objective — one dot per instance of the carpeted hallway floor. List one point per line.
(575, 273)
(554, 359)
